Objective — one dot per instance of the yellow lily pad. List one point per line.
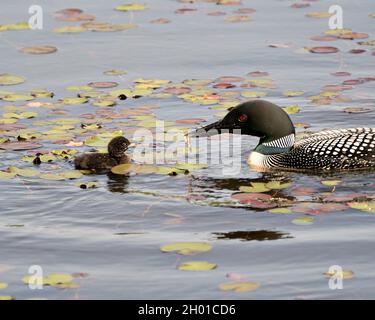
(277, 185)
(303, 221)
(187, 248)
(7, 79)
(239, 286)
(73, 174)
(3, 285)
(197, 266)
(280, 210)
(74, 100)
(18, 97)
(27, 173)
(346, 274)
(330, 182)
(69, 29)
(290, 93)
(7, 298)
(253, 94)
(292, 109)
(52, 176)
(6, 175)
(131, 7)
(255, 187)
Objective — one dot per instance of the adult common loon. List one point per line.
(105, 161)
(340, 149)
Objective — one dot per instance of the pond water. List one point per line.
(110, 236)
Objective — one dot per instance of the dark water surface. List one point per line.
(114, 232)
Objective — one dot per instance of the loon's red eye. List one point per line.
(242, 118)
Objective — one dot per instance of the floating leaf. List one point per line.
(39, 49)
(292, 109)
(345, 274)
(187, 248)
(319, 14)
(7, 298)
(280, 210)
(356, 110)
(239, 286)
(303, 221)
(330, 182)
(18, 146)
(114, 72)
(18, 97)
(253, 94)
(3, 285)
(290, 93)
(52, 176)
(7, 79)
(368, 206)
(69, 29)
(235, 19)
(73, 174)
(197, 266)
(191, 166)
(27, 173)
(255, 187)
(74, 100)
(6, 175)
(323, 49)
(131, 7)
(277, 185)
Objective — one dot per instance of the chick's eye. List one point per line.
(242, 118)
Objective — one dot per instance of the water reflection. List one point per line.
(258, 235)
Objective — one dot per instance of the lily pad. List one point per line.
(187, 248)
(197, 266)
(239, 286)
(39, 49)
(7, 79)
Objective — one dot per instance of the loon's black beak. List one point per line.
(208, 130)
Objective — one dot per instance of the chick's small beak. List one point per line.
(207, 131)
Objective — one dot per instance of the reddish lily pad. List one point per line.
(357, 110)
(223, 85)
(226, 79)
(245, 11)
(323, 50)
(19, 146)
(190, 121)
(258, 74)
(300, 5)
(341, 74)
(39, 49)
(185, 10)
(216, 13)
(324, 38)
(356, 51)
(160, 21)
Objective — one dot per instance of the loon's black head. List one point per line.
(258, 118)
(117, 146)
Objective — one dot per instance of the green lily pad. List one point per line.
(7, 79)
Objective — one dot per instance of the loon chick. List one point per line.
(340, 149)
(105, 161)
